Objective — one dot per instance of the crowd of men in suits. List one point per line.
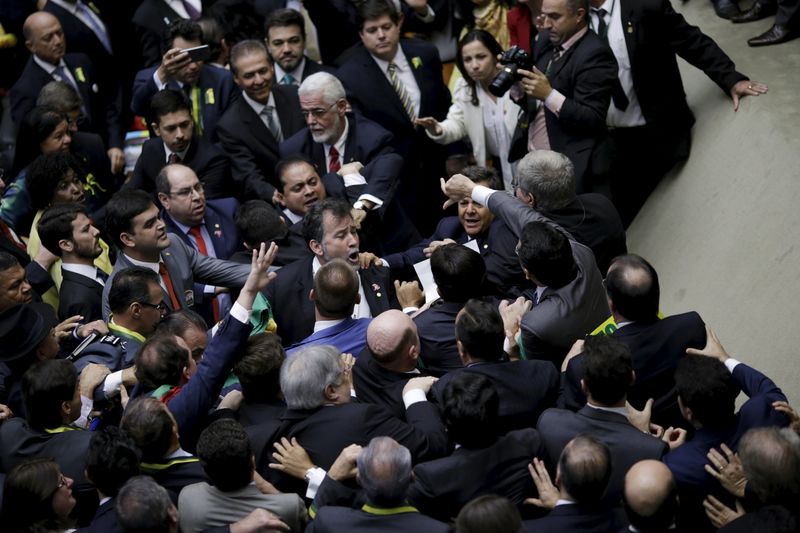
(224, 327)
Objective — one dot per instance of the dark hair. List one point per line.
(632, 286)
(179, 322)
(257, 222)
(59, 96)
(160, 361)
(142, 506)
(375, 9)
(45, 386)
(148, 423)
(238, 20)
(188, 30)
(162, 180)
(246, 48)
(112, 459)
(123, 207)
(28, 497)
(259, 368)
(706, 387)
(168, 101)
(44, 175)
(212, 36)
(546, 253)
(225, 453)
(585, 468)
(607, 368)
(470, 405)
(335, 289)
(479, 327)
(285, 17)
(292, 160)
(459, 272)
(313, 229)
(34, 129)
(489, 513)
(56, 225)
(7, 261)
(487, 40)
(130, 285)
(488, 175)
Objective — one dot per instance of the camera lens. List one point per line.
(504, 80)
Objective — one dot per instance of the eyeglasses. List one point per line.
(187, 192)
(316, 113)
(161, 306)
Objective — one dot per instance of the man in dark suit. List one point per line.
(67, 231)
(651, 497)
(708, 382)
(153, 19)
(568, 93)
(257, 221)
(330, 233)
(388, 362)
(392, 82)
(546, 182)
(100, 104)
(582, 475)
(252, 129)
(177, 141)
(608, 376)
(285, 35)
(205, 226)
(525, 388)
(355, 152)
(133, 222)
(649, 117)
(484, 462)
(656, 345)
(211, 90)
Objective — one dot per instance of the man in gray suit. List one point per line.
(569, 301)
(133, 221)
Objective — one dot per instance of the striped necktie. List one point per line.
(400, 89)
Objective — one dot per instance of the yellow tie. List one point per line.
(197, 110)
(400, 89)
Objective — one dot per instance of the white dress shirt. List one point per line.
(405, 75)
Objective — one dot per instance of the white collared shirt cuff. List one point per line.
(414, 396)
(428, 16)
(157, 81)
(554, 101)
(354, 178)
(315, 478)
(112, 383)
(731, 363)
(374, 199)
(240, 313)
(481, 194)
(410, 309)
(209, 289)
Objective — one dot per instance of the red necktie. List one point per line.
(174, 158)
(201, 247)
(162, 270)
(334, 165)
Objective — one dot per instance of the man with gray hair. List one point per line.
(545, 180)
(253, 126)
(355, 152)
(317, 384)
(384, 472)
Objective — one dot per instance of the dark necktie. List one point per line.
(617, 92)
(174, 158)
(602, 27)
(100, 275)
(557, 52)
(334, 164)
(193, 13)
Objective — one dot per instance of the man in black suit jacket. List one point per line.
(416, 67)
(608, 376)
(656, 345)
(99, 104)
(250, 138)
(285, 35)
(330, 233)
(546, 182)
(525, 388)
(651, 121)
(384, 367)
(177, 142)
(569, 93)
(67, 231)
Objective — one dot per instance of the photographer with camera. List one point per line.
(486, 117)
(568, 92)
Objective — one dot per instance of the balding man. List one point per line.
(100, 106)
(388, 362)
(335, 294)
(651, 497)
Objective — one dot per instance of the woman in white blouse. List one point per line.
(488, 120)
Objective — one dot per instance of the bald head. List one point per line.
(632, 289)
(393, 341)
(650, 496)
(44, 37)
(584, 469)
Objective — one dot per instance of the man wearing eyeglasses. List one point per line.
(206, 226)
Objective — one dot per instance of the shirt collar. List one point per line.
(619, 410)
(257, 106)
(293, 218)
(183, 227)
(87, 271)
(340, 144)
(297, 73)
(48, 67)
(399, 59)
(67, 6)
(146, 264)
(181, 154)
(319, 325)
(569, 43)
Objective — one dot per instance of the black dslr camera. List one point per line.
(513, 59)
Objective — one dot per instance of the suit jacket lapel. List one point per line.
(382, 84)
(256, 125)
(83, 86)
(350, 142)
(214, 228)
(628, 30)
